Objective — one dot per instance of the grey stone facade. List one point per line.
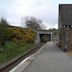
(65, 15)
(65, 25)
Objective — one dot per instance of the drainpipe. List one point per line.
(65, 49)
(51, 36)
(66, 39)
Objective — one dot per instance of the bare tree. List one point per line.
(32, 22)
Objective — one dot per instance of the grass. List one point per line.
(12, 50)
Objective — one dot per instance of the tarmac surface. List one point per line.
(50, 59)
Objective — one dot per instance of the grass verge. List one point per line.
(12, 50)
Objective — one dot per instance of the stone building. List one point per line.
(65, 26)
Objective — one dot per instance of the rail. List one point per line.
(12, 63)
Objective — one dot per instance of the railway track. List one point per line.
(11, 64)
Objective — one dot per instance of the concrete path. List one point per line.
(50, 59)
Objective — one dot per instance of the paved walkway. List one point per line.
(50, 59)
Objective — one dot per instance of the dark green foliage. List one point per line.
(11, 51)
(14, 40)
(9, 33)
(4, 33)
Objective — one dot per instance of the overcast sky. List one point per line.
(46, 10)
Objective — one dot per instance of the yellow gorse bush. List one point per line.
(25, 35)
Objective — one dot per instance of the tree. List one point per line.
(3, 30)
(4, 22)
(33, 23)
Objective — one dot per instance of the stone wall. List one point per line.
(70, 40)
(66, 39)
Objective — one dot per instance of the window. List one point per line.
(69, 26)
(65, 26)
